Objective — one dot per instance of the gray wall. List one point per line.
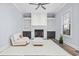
(11, 22)
(73, 39)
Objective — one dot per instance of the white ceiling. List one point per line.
(27, 8)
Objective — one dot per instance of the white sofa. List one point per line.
(18, 39)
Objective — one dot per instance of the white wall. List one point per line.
(73, 39)
(10, 22)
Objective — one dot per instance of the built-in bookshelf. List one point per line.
(27, 24)
(27, 21)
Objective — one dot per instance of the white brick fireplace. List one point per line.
(44, 28)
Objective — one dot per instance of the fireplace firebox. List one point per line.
(39, 33)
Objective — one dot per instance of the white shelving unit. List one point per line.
(51, 24)
(27, 24)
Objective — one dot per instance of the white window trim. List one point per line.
(68, 11)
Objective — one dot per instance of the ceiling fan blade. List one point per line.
(43, 7)
(33, 3)
(44, 3)
(37, 7)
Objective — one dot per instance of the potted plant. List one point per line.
(61, 40)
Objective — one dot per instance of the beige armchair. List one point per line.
(18, 40)
(38, 41)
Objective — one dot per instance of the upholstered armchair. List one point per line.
(38, 41)
(18, 39)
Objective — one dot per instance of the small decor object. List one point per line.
(61, 40)
(20, 36)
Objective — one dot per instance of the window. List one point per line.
(67, 23)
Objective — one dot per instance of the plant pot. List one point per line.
(61, 40)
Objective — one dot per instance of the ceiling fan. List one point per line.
(39, 5)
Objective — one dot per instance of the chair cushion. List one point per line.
(26, 39)
(38, 39)
(20, 40)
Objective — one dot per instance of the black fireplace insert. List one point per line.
(39, 33)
